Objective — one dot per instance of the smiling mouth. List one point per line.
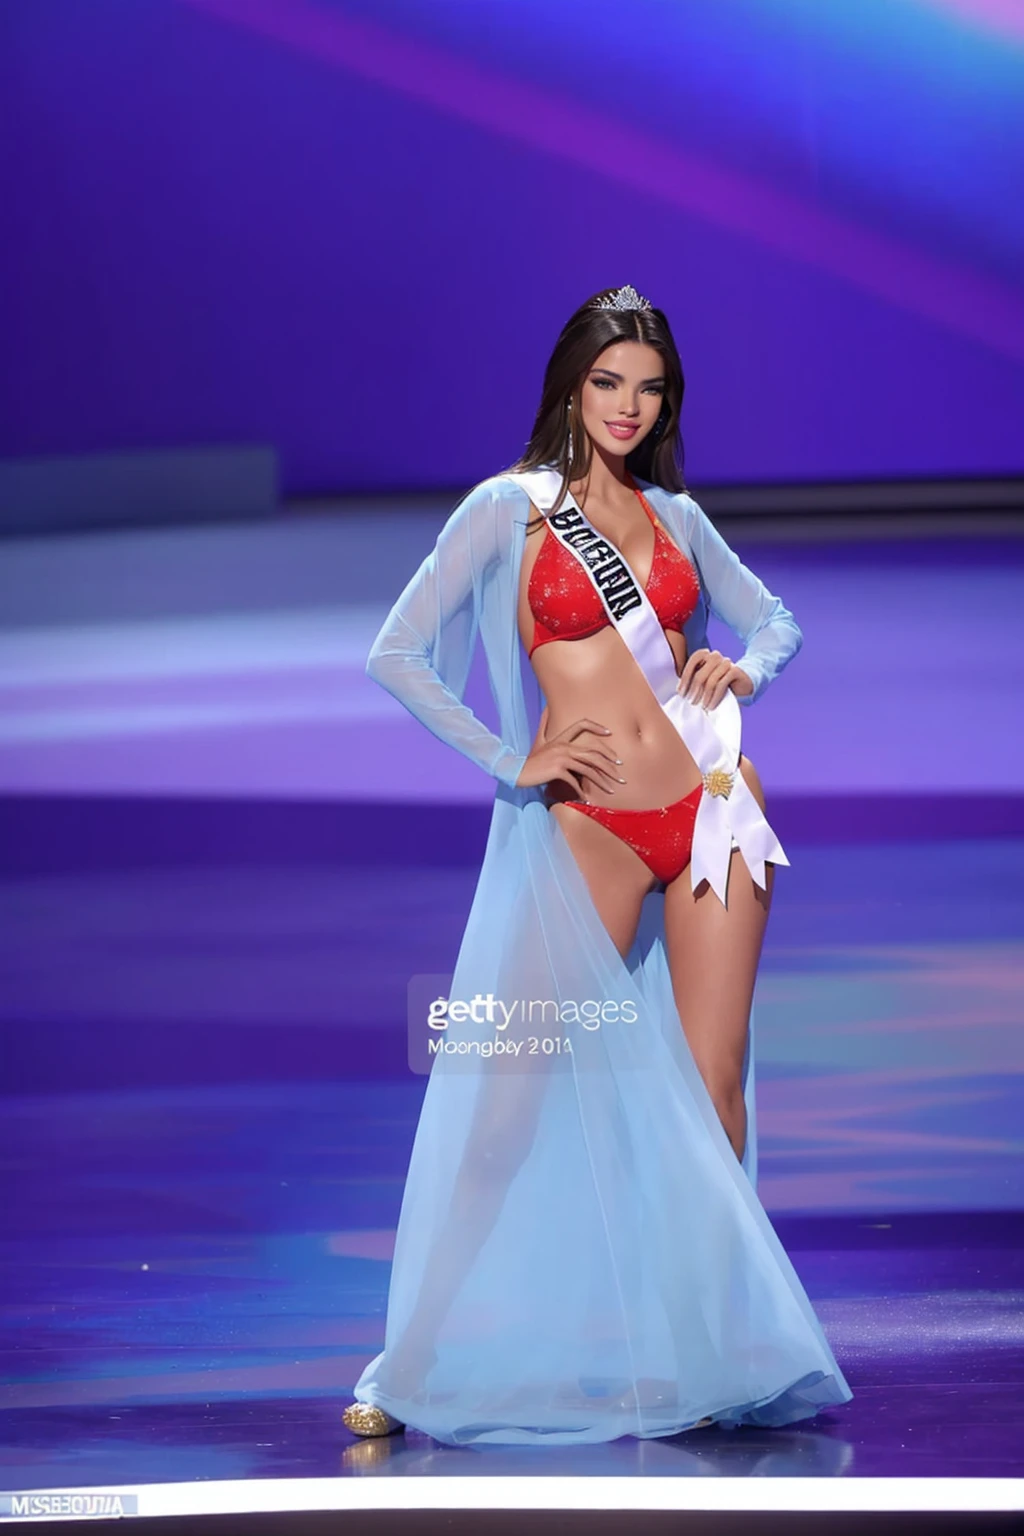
(623, 428)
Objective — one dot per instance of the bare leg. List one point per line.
(713, 955)
(616, 875)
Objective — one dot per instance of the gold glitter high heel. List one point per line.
(401, 1382)
(364, 1419)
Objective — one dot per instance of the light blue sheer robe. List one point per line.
(579, 1254)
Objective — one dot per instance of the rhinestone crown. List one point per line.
(624, 298)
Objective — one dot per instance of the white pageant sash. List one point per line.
(727, 808)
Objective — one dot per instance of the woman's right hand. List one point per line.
(566, 755)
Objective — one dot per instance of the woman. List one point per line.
(581, 1253)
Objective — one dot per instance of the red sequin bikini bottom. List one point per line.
(663, 836)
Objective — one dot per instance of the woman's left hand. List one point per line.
(708, 674)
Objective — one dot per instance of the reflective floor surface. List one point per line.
(195, 1253)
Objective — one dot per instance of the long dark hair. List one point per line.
(659, 458)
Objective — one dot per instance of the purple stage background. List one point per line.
(352, 228)
(343, 235)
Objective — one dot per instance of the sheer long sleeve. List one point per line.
(423, 652)
(740, 599)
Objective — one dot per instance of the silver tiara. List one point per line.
(624, 298)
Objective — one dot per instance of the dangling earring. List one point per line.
(661, 423)
(569, 414)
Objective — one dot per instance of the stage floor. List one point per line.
(185, 1309)
(195, 1256)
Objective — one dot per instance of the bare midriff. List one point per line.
(597, 678)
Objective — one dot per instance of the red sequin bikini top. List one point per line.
(565, 603)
